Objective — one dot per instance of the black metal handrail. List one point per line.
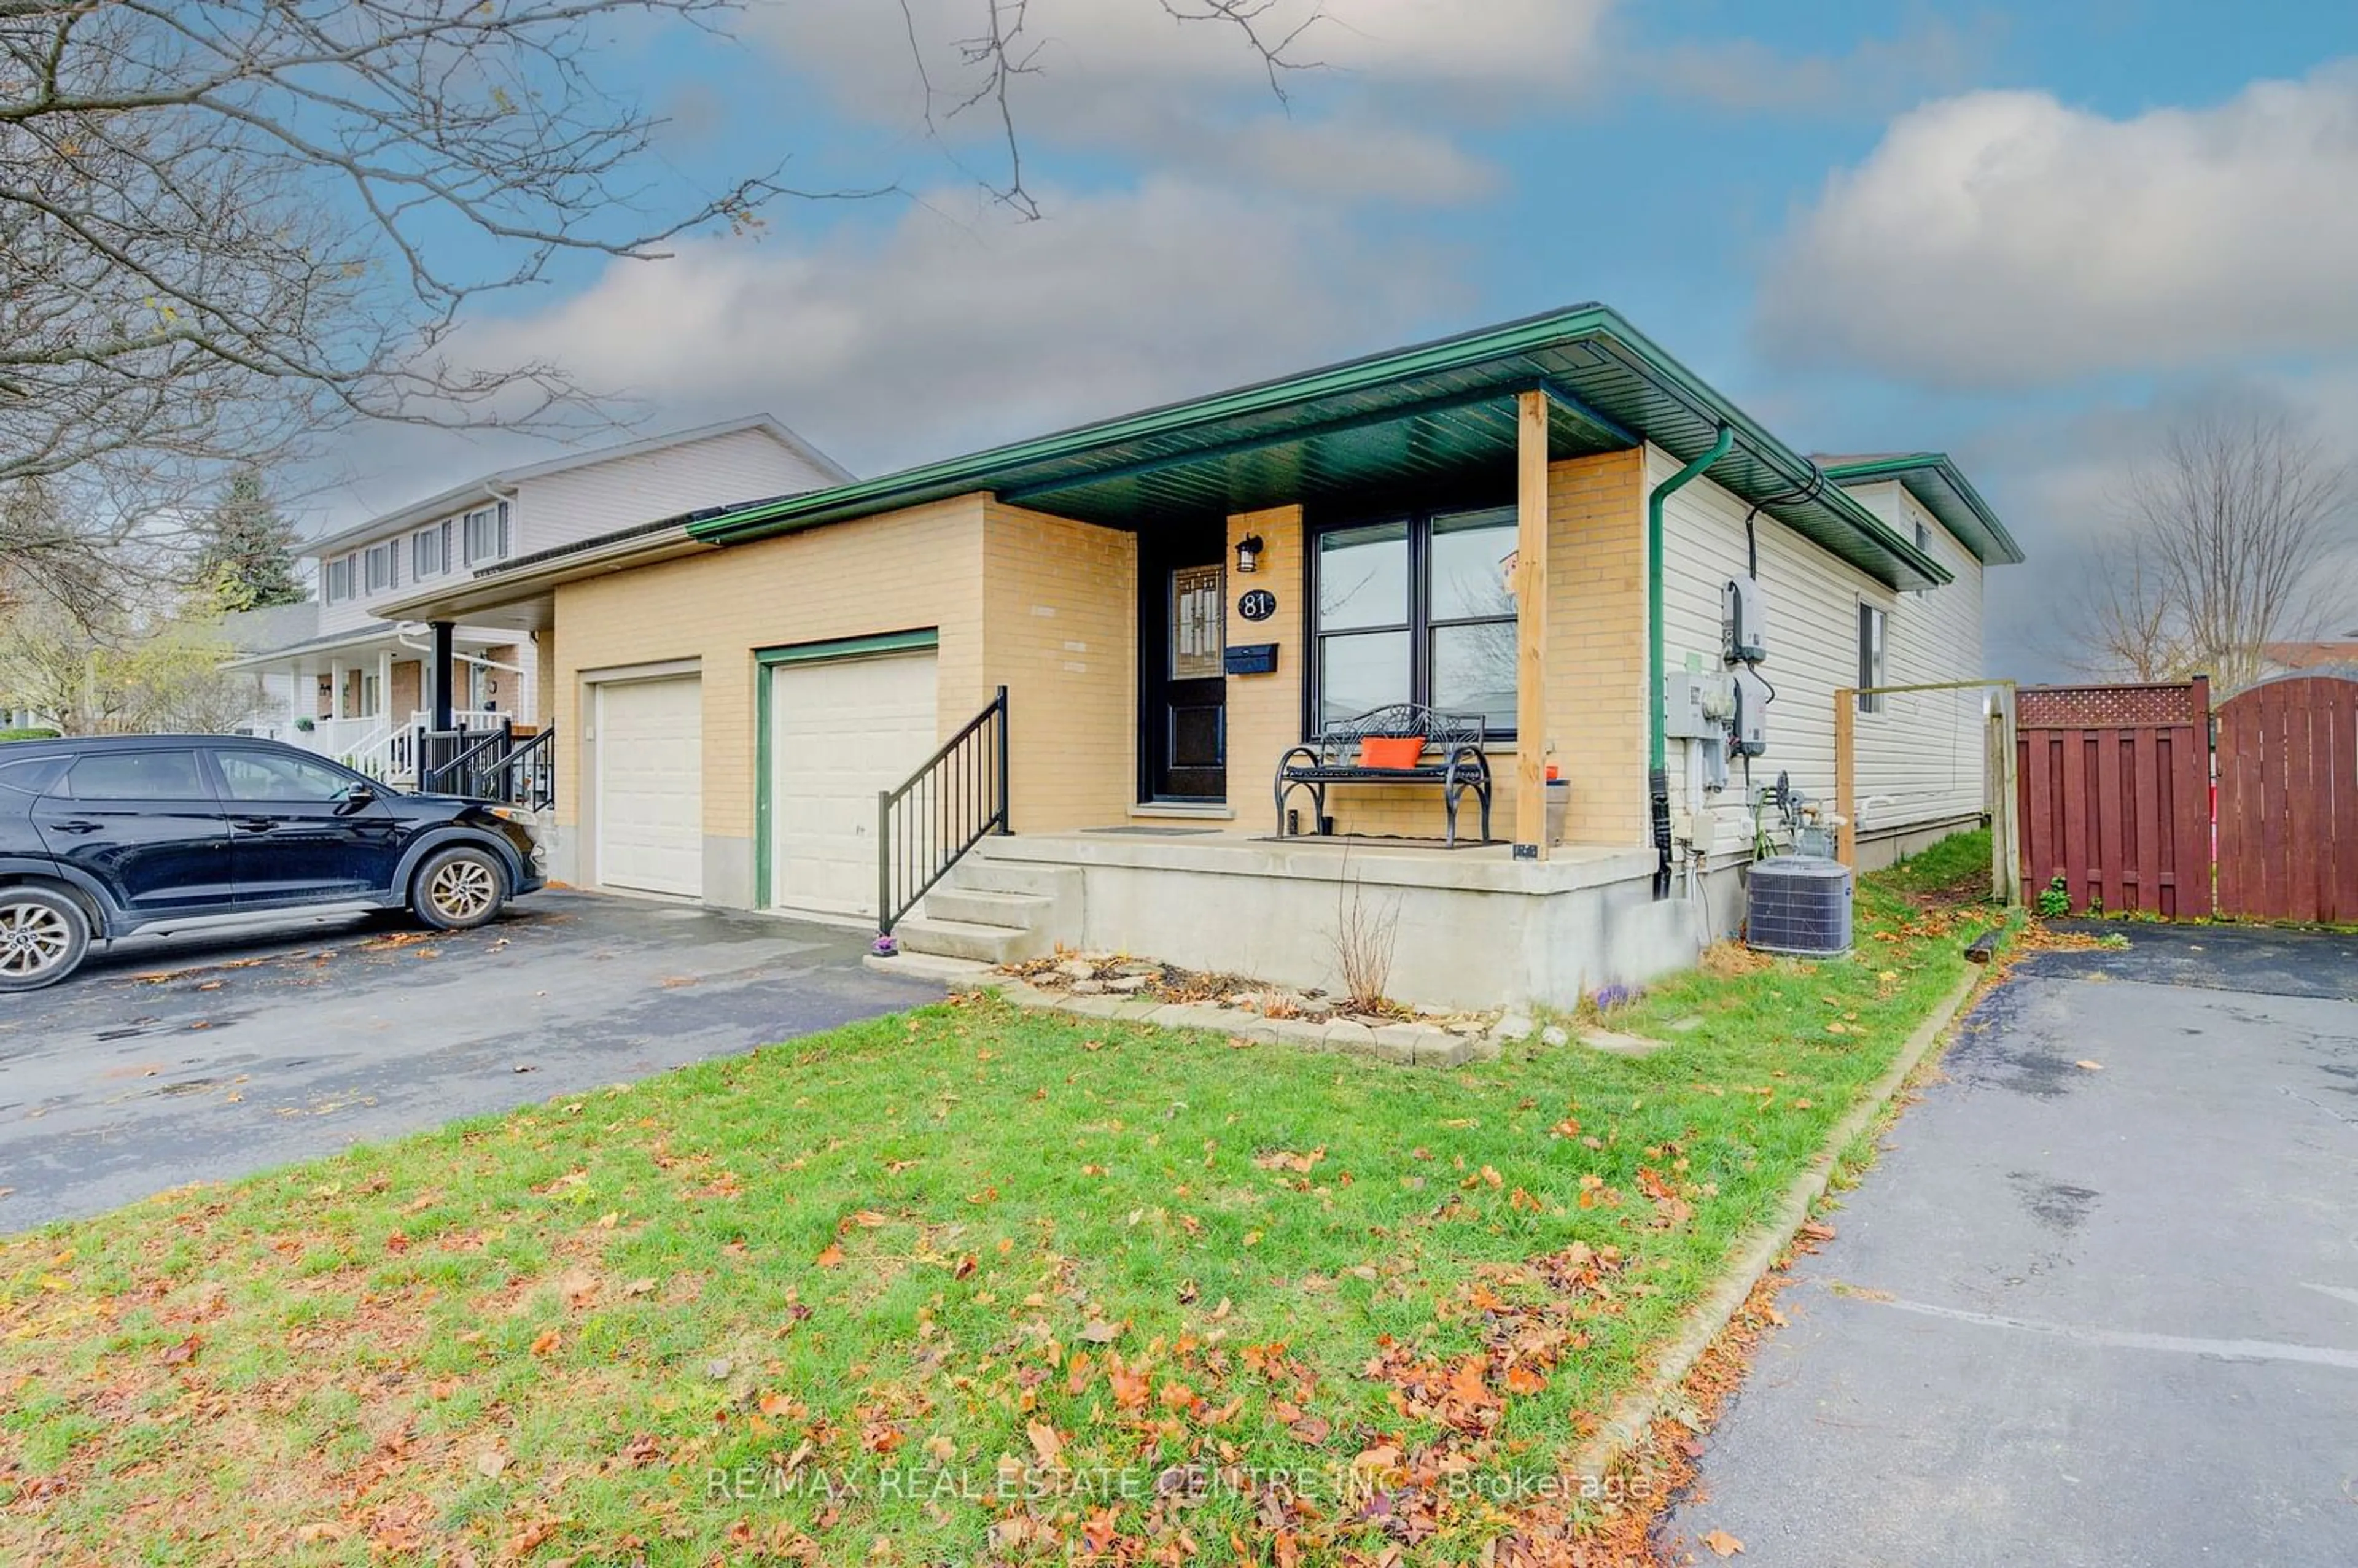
(469, 769)
(940, 812)
(529, 774)
(498, 767)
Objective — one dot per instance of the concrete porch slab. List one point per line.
(1465, 928)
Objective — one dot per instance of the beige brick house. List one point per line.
(1517, 526)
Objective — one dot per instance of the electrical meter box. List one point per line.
(1697, 706)
(1749, 732)
(1744, 640)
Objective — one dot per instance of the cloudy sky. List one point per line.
(2029, 236)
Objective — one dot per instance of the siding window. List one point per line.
(377, 565)
(1417, 610)
(1874, 642)
(429, 551)
(1923, 538)
(487, 535)
(340, 579)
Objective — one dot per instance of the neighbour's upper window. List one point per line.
(1874, 636)
(487, 535)
(1923, 539)
(272, 775)
(135, 775)
(1417, 609)
(429, 551)
(340, 579)
(379, 562)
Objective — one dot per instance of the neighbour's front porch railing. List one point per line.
(943, 810)
(499, 766)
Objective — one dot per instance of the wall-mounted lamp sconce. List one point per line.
(1249, 554)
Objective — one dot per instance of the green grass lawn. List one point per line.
(966, 1284)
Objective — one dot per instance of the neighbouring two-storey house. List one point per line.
(358, 686)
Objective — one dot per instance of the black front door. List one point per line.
(1182, 647)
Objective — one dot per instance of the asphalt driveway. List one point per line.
(2097, 1304)
(184, 1060)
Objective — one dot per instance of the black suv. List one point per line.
(99, 838)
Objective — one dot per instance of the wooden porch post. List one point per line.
(1531, 624)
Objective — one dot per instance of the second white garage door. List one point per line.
(650, 804)
(840, 731)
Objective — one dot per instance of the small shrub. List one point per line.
(33, 733)
(2054, 899)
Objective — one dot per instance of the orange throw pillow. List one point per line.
(1390, 750)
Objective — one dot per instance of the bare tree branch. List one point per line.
(2222, 547)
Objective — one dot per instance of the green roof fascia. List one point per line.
(1034, 465)
(1953, 499)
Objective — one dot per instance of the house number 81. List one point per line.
(1258, 605)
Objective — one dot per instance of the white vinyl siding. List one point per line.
(1919, 760)
(601, 498)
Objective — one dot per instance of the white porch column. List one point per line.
(335, 688)
(384, 684)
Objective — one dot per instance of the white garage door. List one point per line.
(840, 731)
(649, 805)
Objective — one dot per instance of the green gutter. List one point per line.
(1655, 748)
(1657, 778)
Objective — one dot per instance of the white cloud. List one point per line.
(938, 335)
(1875, 76)
(2003, 238)
(1366, 123)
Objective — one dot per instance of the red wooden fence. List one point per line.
(2114, 786)
(2289, 801)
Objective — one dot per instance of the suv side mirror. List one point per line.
(355, 798)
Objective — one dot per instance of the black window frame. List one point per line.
(1873, 653)
(1420, 625)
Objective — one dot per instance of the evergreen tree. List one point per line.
(247, 557)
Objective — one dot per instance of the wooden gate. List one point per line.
(2114, 784)
(2289, 801)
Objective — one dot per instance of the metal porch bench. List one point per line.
(1451, 757)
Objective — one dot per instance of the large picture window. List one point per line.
(1417, 609)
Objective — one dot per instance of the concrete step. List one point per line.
(982, 873)
(970, 939)
(1024, 911)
